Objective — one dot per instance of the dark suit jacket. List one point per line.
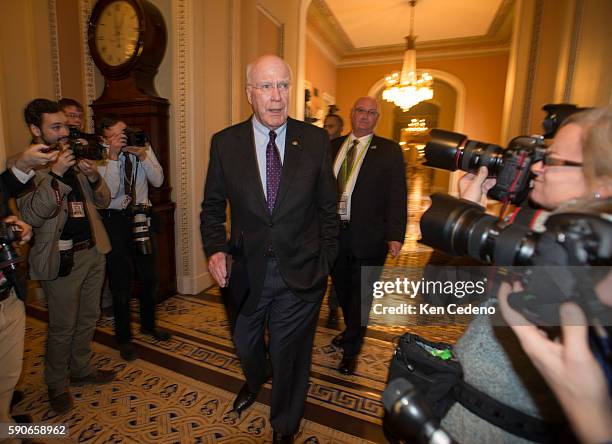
(378, 202)
(303, 227)
(10, 186)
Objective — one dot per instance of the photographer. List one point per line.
(128, 172)
(68, 253)
(574, 171)
(13, 181)
(571, 369)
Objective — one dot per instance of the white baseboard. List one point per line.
(194, 284)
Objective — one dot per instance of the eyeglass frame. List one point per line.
(548, 161)
(267, 87)
(369, 112)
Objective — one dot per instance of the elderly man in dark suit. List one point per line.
(276, 174)
(371, 179)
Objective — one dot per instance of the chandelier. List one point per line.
(416, 127)
(407, 88)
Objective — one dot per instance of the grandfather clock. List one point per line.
(127, 41)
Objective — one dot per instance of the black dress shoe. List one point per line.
(279, 438)
(244, 400)
(333, 318)
(22, 419)
(348, 365)
(158, 334)
(337, 341)
(18, 396)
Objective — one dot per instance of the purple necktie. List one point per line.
(273, 171)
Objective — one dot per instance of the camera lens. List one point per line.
(453, 151)
(462, 228)
(140, 232)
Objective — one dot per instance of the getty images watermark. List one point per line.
(404, 287)
(454, 295)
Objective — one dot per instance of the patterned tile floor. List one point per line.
(201, 348)
(150, 404)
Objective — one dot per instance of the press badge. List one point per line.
(76, 209)
(342, 204)
(126, 202)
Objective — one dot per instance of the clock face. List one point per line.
(117, 32)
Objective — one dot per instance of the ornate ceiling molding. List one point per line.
(322, 22)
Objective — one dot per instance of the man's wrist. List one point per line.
(23, 165)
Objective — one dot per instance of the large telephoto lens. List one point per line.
(453, 151)
(462, 228)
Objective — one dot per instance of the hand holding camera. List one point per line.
(89, 169)
(475, 187)
(21, 231)
(116, 144)
(64, 161)
(36, 155)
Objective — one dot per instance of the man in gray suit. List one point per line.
(67, 256)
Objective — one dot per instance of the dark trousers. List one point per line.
(121, 263)
(353, 284)
(291, 323)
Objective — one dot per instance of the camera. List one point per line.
(92, 150)
(136, 137)
(9, 258)
(140, 215)
(462, 228)
(408, 417)
(511, 166)
(572, 254)
(556, 113)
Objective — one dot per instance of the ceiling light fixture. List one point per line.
(407, 88)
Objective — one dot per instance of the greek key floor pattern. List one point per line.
(150, 404)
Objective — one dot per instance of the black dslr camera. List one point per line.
(9, 258)
(562, 262)
(93, 149)
(511, 166)
(136, 137)
(140, 215)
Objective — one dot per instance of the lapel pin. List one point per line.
(295, 143)
(373, 147)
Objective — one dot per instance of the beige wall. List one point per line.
(25, 59)
(320, 73)
(560, 52)
(484, 79)
(70, 49)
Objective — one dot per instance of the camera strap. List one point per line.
(58, 200)
(129, 179)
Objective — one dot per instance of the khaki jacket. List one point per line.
(38, 208)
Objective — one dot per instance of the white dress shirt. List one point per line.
(148, 171)
(364, 143)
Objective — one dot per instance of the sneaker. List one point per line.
(108, 313)
(95, 377)
(61, 400)
(128, 351)
(158, 334)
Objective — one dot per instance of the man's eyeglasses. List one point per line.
(554, 161)
(267, 88)
(369, 112)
